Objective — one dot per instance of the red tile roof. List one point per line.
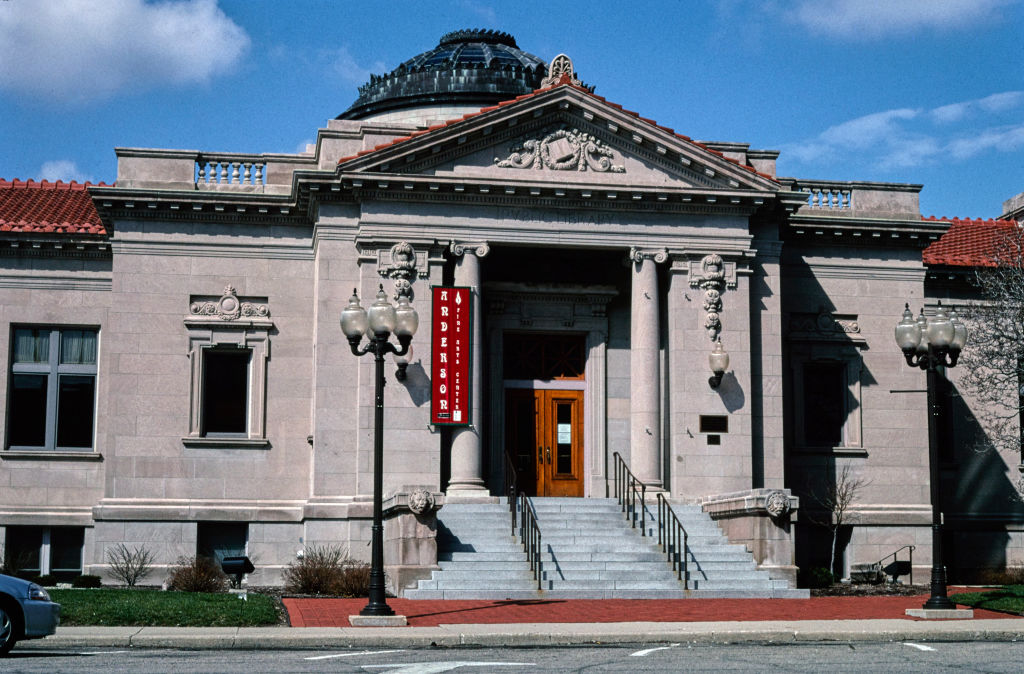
(974, 243)
(45, 207)
(565, 81)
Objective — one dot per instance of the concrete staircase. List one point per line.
(589, 552)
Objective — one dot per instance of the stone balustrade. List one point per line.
(829, 196)
(229, 171)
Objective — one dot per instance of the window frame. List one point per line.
(45, 552)
(53, 369)
(228, 323)
(849, 359)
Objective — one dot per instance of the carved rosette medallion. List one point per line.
(712, 280)
(402, 269)
(562, 150)
(229, 307)
(777, 504)
(421, 501)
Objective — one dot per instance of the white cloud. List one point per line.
(61, 169)
(1004, 139)
(80, 50)
(351, 71)
(863, 19)
(995, 103)
(908, 137)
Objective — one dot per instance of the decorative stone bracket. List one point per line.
(402, 263)
(712, 275)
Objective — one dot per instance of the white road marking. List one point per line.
(349, 655)
(919, 647)
(648, 651)
(437, 667)
(101, 652)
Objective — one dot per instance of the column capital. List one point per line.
(659, 255)
(478, 248)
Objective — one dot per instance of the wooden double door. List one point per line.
(544, 437)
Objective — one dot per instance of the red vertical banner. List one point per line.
(450, 355)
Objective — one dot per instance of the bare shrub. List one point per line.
(197, 574)
(129, 566)
(836, 500)
(327, 569)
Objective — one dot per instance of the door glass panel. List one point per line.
(563, 421)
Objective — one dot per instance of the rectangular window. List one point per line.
(824, 396)
(225, 391)
(52, 401)
(218, 540)
(54, 551)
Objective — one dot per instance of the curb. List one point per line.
(531, 635)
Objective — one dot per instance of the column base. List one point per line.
(941, 613)
(469, 494)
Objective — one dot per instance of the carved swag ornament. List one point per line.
(562, 150)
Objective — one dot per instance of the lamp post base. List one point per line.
(377, 621)
(941, 613)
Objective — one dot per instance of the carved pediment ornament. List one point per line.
(560, 71)
(229, 307)
(562, 150)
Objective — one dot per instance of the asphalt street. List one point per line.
(656, 657)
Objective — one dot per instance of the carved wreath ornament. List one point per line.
(228, 307)
(562, 150)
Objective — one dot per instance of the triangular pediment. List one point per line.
(560, 135)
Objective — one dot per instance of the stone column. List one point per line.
(644, 370)
(467, 479)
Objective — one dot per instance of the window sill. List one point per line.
(835, 451)
(49, 455)
(227, 443)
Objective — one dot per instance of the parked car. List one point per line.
(26, 612)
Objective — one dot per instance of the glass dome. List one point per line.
(468, 69)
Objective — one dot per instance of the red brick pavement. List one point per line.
(428, 613)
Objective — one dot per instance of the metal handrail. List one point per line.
(910, 554)
(530, 532)
(626, 493)
(511, 488)
(670, 533)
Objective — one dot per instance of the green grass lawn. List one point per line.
(1008, 599)
(108, 606)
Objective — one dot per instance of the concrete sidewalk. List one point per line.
(532, 634)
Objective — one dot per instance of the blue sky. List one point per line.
(917, 91)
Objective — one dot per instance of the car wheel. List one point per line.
(7, 636)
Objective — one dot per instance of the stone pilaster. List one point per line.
(644, 370)
(467, 447)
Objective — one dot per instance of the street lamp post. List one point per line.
(381, 320)
(929, 345)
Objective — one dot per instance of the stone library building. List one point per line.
(632, 331)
